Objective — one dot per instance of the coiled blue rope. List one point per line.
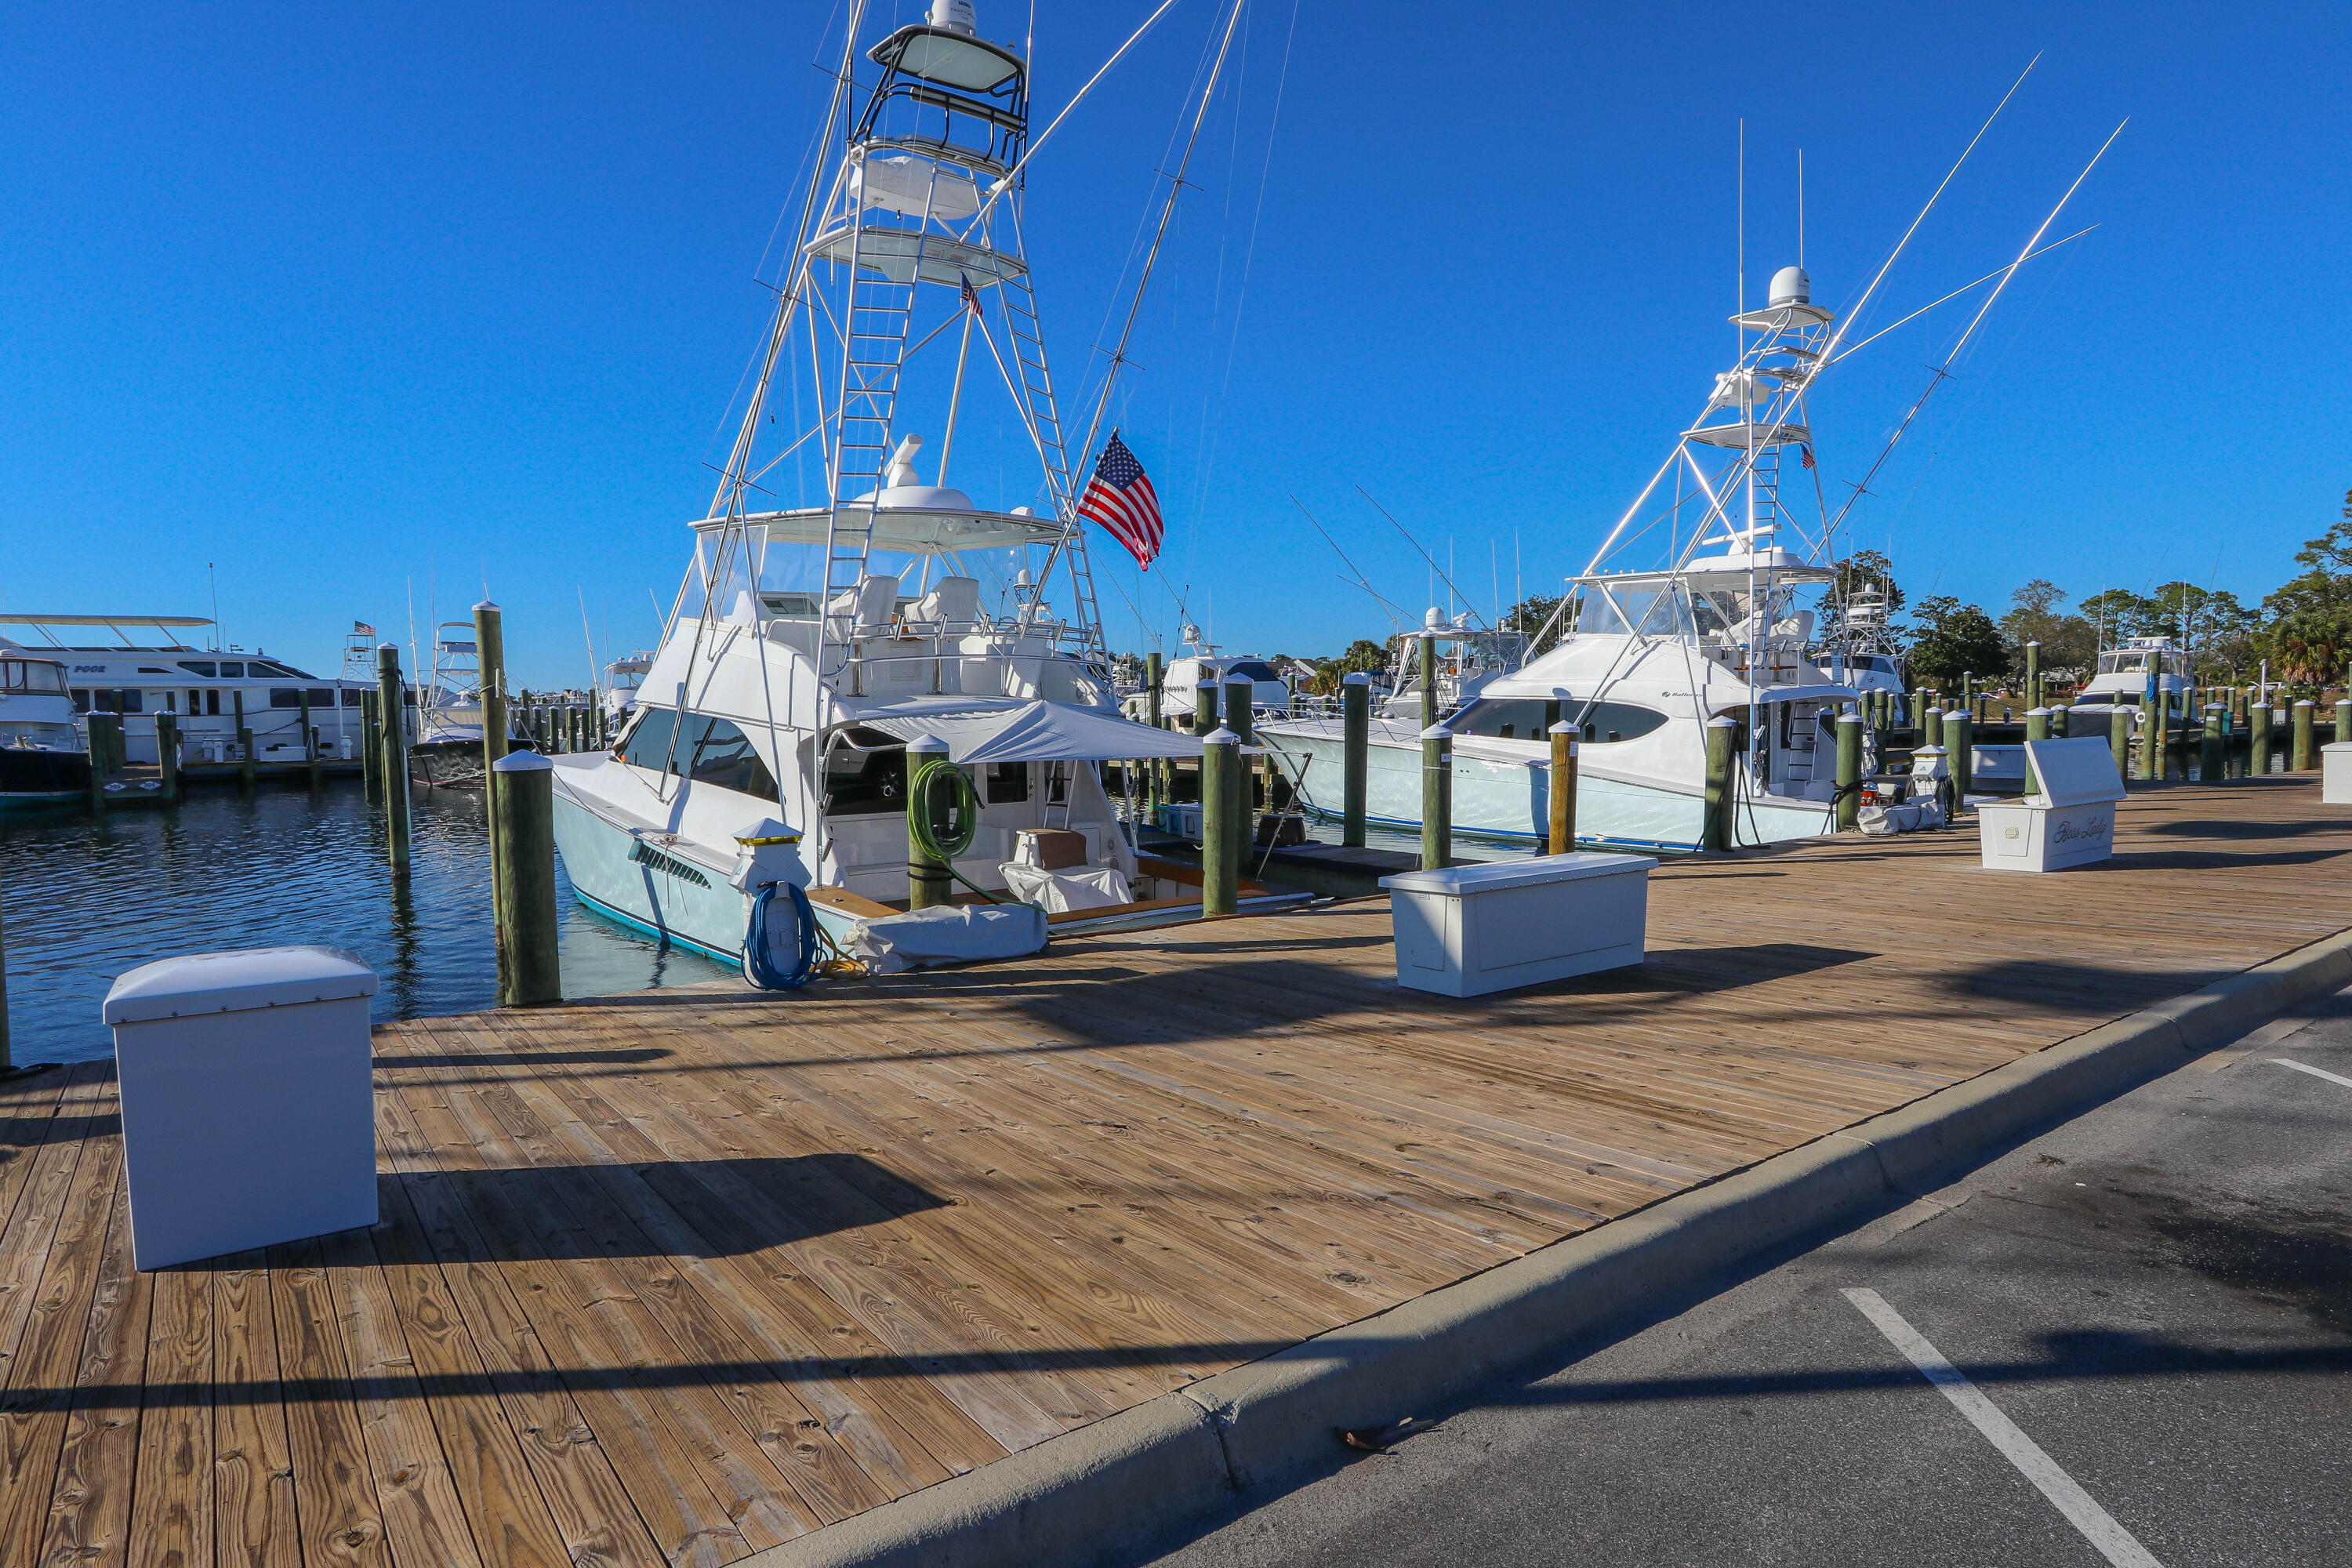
(758, 968)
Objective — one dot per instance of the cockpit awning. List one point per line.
(1033, 732)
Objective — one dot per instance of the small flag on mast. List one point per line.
(1121, 499)
(1806, 453)
(970, 295)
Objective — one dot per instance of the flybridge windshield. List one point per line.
(31, 675)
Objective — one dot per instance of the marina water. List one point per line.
(84, 897)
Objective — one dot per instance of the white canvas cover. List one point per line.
(1033, 732)
(903, 185)
(1059, 892)
(947, 933)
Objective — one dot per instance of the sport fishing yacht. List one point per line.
(446, 750)
(2128, 673)
(1650, 656)
(761, 788)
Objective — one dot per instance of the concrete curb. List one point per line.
(1259, 1429)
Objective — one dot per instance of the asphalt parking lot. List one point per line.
(2126, 1341)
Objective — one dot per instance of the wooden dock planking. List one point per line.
(665, 1279)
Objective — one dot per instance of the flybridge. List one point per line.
(160, 625)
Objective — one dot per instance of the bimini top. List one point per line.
(981, 730)
(1732, 571)
(949, 57)
(912, 519)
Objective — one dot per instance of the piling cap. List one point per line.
(1849, 718)
(1563, 728)
(2305, 702)
(2030, 712)
(486, 604)
(1355, 677)
(521, 763)
(1220, 736)
(1723, 721)
(1437, 732)
(928, 745)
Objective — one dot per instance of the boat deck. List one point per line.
(675, 1276)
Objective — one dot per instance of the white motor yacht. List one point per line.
(44, 760)
(145, 670)
(1649, 656)
(2125, 673)
(766, 750)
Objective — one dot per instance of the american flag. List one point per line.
(1806, 454)
(971, 296)
(1121, 499)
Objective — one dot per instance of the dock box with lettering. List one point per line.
(2070, 820)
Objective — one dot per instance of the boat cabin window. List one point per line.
(722, 755)
(204, 666)
(1008, 783)
(352, 696)
(647, 745)
(2121, 663)
(1606, 721)
(31, 675)
(291, 697)
(1651, 612)
(107, 700)
(1251, 670)
(1503, 718)
(866, 783)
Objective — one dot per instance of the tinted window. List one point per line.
(232, 672)
(1007, 782)
(352, 696)
(22, 675)
(1250, 669)
(723, 756)
(861, 783)
(1504, 717)
(81, 699)
(203, 667)
(285, 697)
(1607, 722)
(648, 743)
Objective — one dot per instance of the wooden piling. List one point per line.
(1240, 716)
(522, 824)
(310, 740)
(490, 660)
(1355, 754)
(8, 1062)
(2033, 676)
(1563, 789)
(1428, 681)
(2303, 758)
(1958, 727)
(394, 765)
(2119, 732)
(1436, 797)
(1849, 771)
(2152, 718)
(1220, 836)
(167, 754)
(1155, 673)
(100, 759)
(2210, 762)
(371, 745)
(2037, 728)
(2344, 719)
(2258, 739)
(246, 772)
(928, 882)
(1715, 829)
(1204, 706)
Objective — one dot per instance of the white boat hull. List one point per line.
(1510, 799)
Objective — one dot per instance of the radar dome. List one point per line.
(955, 17)
(1791, 287)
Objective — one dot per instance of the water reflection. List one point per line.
(87, 898)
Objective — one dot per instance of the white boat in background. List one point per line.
(2125, 673)
(1180, 682)
(146, 669)
(623, 679)
(44, 759)
(1650, 656)
(766, 751)
(1861, 648)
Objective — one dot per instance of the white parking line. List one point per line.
(2316, 1072)
(2115, 1543)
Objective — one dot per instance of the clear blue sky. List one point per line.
(346, 300)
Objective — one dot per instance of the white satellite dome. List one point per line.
(1791, 287)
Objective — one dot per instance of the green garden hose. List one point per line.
(924, 814)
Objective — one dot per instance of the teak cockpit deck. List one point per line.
(674, 1276)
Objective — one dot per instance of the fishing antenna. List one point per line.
(1360, 579)
(595, 687)
(1425, 555)
(1963, 289)
(1942, 373)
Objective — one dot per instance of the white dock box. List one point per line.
(1471, 929)
(2070, 822)
(2336, 773)
(248, 1101)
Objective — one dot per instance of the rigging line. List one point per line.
(1135, 306)
(1361, 581)
(1014, 173)
(1942, 372)
(1955, 294)
(1425, 555)
(1830, 349)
